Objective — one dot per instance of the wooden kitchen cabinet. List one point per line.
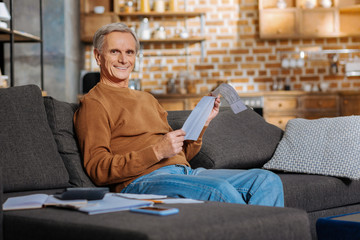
(319, 105)
(319, 22)
(278, 23)
(349, 14)
(281, 103)
(279, 121)
(280, 107)
(177, 102)
(349, 103)
(298, 21)
(275, 22)
(172, 105)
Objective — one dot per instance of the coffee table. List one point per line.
(345, 226)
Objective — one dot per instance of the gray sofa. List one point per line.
(39, 153)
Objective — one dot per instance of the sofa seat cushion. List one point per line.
(60, 118)
(244, 140)
(211, 220)
(29, 156)
(315, 192)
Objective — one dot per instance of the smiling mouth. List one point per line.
(121, 68)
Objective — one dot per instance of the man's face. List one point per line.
(117, 58)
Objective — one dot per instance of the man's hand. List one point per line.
(170, 144)
(214, 111)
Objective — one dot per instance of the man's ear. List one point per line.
(97, 56)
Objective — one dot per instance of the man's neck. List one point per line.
(121, 84)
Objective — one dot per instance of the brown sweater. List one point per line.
(117, 129)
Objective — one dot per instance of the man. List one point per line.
(127, 143)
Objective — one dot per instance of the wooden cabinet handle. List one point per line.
(280, 105)
(280, 121)
(346, 101)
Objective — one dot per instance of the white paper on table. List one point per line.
(111, 203)
(197, 118)
(140, 196)
(180, 200)
(39, 201)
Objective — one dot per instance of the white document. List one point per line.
(39, 201)
(196, 121)
(180, 200)
(112, 203)
(25, 202)
(231, 96)
(140, 196)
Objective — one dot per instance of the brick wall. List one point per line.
(235, 54)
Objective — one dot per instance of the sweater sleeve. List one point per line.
(92, 125)
(191, 148)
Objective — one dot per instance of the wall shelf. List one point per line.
(326, 55)
(147, 14)
(174, 40)
(330, 51)
(18, 36)
(350, 9)
(177, 22)
(12, 36)
(162, 14)
(159, 41)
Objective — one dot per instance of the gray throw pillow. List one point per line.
(29, 156)
(60, 118)
(244, 140)
(326, 146)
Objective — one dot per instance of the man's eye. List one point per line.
(113, 51)
(130, 52)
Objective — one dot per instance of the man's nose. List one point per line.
(122, 58)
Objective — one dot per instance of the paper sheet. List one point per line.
(140, 196)
(180, 200)
(231, 96)
(39, 201)
(196, 121)
(112, 203)
(156, 198)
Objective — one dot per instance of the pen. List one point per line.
(154, 201)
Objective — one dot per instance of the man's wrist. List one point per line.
(157, 154)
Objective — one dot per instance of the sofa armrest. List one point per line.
(1, 201)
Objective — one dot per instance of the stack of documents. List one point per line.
(109, 203)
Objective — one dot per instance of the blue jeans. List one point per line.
(255, 186)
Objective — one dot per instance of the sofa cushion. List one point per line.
(326, 146)
(242, 140)
(308, 192)
(29, 157)
(60, 118)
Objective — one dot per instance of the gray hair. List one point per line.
(98, 40)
